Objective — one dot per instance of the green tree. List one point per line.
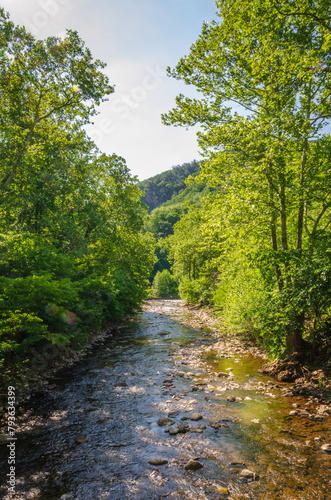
(72, 253)
(45, 85)
(164, 285)
(265, 84)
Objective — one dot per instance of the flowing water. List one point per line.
(115, 397)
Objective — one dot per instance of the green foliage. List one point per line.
(162, 219)
(162, 187)
(161, 254)
(263, 73)
(164, 285)
(72, 253)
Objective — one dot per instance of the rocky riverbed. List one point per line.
(164, 410)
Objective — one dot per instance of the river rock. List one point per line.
(81, 439)
(121, 384)
(248, 475)
(165, 421)
(158, 461)
(5, 438)
(183, 427)
(326, 447)
(223, 374)
(231, 399)
(173, 413)
(196, 416)
(193, 465)
(173, 431)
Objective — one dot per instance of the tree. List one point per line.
(44, 87)
(265, 84)
(72, 253)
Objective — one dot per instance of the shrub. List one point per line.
(165, 285)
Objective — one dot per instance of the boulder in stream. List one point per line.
(193, 465)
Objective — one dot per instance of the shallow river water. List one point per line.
(151, 368)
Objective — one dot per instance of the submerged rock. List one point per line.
(81, 439)
(193, 465)
(196, 430)
(165, 421)
(158, 461)
(121, 384)
(196, 416)
(248, 475)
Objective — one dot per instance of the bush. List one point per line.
(165, 285)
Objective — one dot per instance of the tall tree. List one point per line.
(265, 84)
(42, 83)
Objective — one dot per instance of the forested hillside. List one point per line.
(259, 247)
(162, 187)
(72, 255)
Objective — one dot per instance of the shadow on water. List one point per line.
(117, 394)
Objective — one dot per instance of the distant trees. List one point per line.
(263, 72)
(162, 187)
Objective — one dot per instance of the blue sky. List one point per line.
(137, 39)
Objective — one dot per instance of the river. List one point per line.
(95, 431)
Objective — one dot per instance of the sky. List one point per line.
(138, 39)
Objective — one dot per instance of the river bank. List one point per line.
(309, 379)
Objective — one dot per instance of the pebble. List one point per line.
(231, 399)
(183, 427)
(223, 374)
(121, 384)
(81, 439)
(193, 465)
(174, 413)
(248, 474)
(165, 421)
(158, 461)
(196, 416)
(326, 447)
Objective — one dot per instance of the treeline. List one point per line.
(162, 187)
(72, 254)
(161, 223)
(259, 246)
